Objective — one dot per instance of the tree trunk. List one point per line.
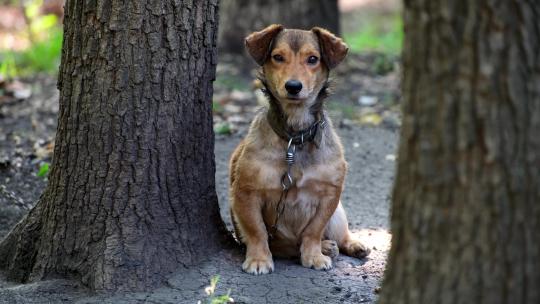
(131, 194)
(466, 212)
(238, 18)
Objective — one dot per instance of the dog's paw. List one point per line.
(319, 262)
(330, 248)
(356, 249)
(258, 265)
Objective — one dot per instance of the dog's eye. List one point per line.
(312, 60)
(278, 58)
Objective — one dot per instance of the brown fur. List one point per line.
(314, 219)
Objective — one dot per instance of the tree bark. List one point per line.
(466, 212)
(238, 18)
(131, 195)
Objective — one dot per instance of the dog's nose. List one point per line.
(293, 86)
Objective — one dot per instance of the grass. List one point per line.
(378, 33)
(42, 56)
(212, 297)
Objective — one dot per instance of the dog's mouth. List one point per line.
(294, 98)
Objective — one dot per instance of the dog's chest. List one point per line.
(300, 204)
(315, 173)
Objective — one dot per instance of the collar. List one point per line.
(278, 120)
(312, 133)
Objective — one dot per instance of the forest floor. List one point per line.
(364, 109)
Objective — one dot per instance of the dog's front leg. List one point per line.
(310, 250)
(247, 209)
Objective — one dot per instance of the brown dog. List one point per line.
(290, 206)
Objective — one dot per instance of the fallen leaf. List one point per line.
(371, 119)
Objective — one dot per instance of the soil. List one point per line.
(27, 128)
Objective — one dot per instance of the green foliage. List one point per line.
(38, 23)
(43, 170)
(222, 128)
(43, 55)
(8, 67)
(211, 293)
(383, 35)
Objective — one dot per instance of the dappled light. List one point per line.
(379, 239)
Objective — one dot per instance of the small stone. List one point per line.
(18, 89)
(241, 95)
(377, 289)
(232, 108)
(391, 120)
(346, 123)
(367, 101)
(390, 157)
(238, 119)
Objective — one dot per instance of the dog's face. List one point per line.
(296, 63)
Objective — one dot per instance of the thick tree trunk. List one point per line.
(131, 194)
(238, 18)
(466, 212)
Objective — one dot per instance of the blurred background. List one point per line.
(366, 86)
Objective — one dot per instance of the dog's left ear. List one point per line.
(333, 49)
(258, 43)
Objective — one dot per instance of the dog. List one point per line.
(287, 174)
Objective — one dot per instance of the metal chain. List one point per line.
(286, 183)
(287, 179)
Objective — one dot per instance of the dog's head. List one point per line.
(295, 63)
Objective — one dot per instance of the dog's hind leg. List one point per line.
(338, 229)
(329, 248)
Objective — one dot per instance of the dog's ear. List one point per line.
(333, 49)
(258, 43)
